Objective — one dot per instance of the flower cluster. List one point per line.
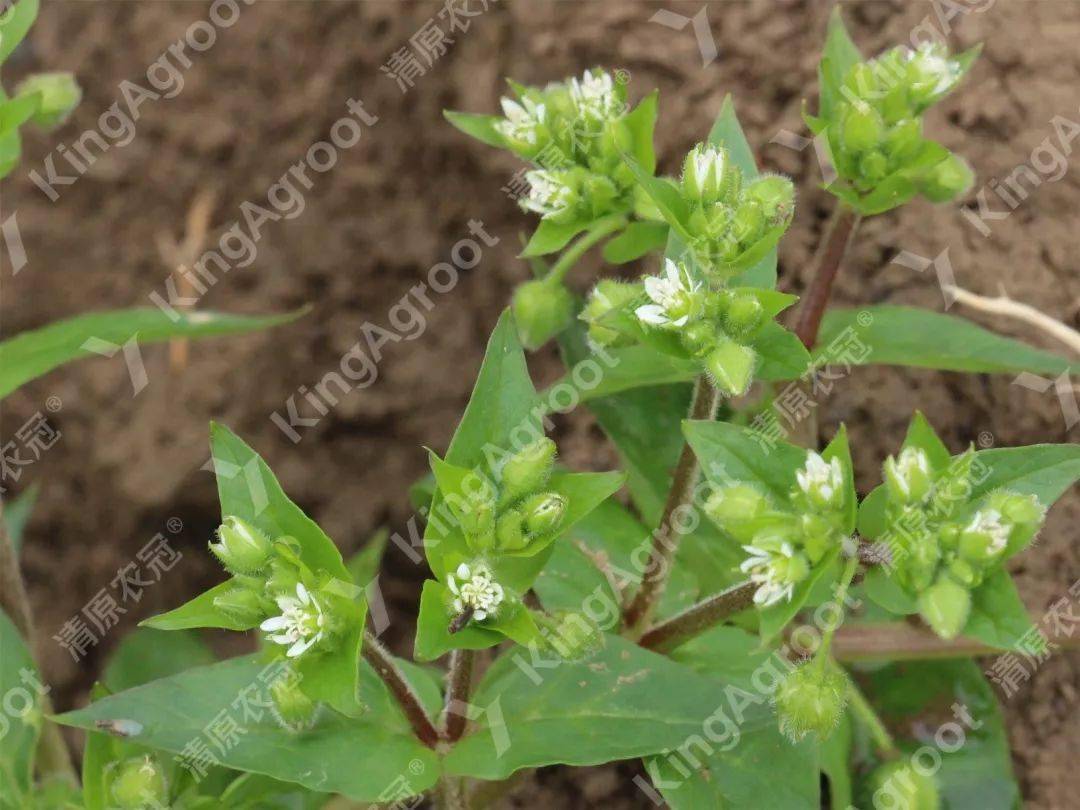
(874, 127)
(575, 133)
(785, 542)
(714, 327)
(731, 222)
(942, 543)
(272, 588)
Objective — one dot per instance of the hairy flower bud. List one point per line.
(945, 606)
(544, 513)
(947, 180)
(606, 296)
(908, 476)
(776, 194)
(734, 508)
(528, 469)
(744, 315)
(510, 531)
(811, 700)
(138, 782)
(60, 94)
(821, 481)
(863, 128)
(985, 538)
(897, 784)
(731, 366)
(243, 605)
(708, 175)
(241, 547)
(542, 309)
(293, 710)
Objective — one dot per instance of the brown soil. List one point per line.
(395, 205)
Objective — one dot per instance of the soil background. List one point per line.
(395, 204)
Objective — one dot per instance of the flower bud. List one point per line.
(744, 316)
(964, 572)
(984, 539)
(731, 366)
(734, 508)
(897, 784)
(544, 513)
(243, 605)
(510, 531)
(606, 296)
(553, 194)
(776, 194)
(528, 469)
(819, 536)
(707, 173)
(137, 783)
(873, 166)
(283, 578)
(821, 482)
(908, 476)
(293, 710)
(698, 337)
(811, 700)
(60, 94)
(945, 606)
(947, 180)
(863, 128)
(476, 516)
(241, 547)
(542, 309)
(904, 140)
(1024, 512)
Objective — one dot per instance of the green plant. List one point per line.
(710, 627)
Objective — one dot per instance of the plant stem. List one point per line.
(600, 229)
(383, 663)
(459, 682)
(839, 597)
(900, 641)
(866, 715)
(665, 541)
(53, 757)
(826, 264)
(452, 793)
(698, 618)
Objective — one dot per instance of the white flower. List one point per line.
(988, 522)
(676, 297)
(703, 171)
(301, 624)
(477, 590)
(934, 67)
(594, 95)
(770, 570)
(911, 461)
(522, 119)
(548, 195)
(820, 479)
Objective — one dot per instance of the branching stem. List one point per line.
(698, 618)
(665, 540)
(387, 669)
(459, 682)
(599, 231)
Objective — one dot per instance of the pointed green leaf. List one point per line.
(433, 638)
(364, 565)
(550, 237)
(728, 132)
(838, 57)
(641, 122)
(998, 616)
(199, 612)
(662, 192)
(15, 21)
(146, 655)
(31, 354)
(838, 448)
(481, 127)
(636, 240)
(731, 452)
(19, 685)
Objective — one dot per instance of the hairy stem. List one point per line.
(866, 715)
(459, 682)
(451, 793)
(53, 757)
(900, 641)
(596, 233)
(382, 662)
(839, 599)
(826, 264)
(698, 618)
(665, 541)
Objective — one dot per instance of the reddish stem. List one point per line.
(826, 264)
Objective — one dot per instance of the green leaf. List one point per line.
(838, 57)
(885, 591)
(364, 564)
(31, 354)
(728, 132)
(731, 452)
(99, 752)
(16, 514)
(998, 616)
(906, 336)
(923, 437)
(21, 718)
(636, 240)
(976, 768)
(641, 122)
(761, 275)
(503, 409)
(248, 489)
(622, 703)
(783, 356)
(698, 775)
(1043, 470)
(550, 237)
(775, 618)
(481, 127)
(199, 612)
(433, 638)
(14, 23)
(171, 713)
(146, 655)
(836, 764)
(839, 449)
(666, 196)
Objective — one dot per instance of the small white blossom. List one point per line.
(476, 589)
(820, 479)
(522, 119)
(594, 96)
(301, 624)
(989, 522)
(934, 67)
(912, 460)
(548, 195)
(770, 569)
(676, 297)
(706, 165)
